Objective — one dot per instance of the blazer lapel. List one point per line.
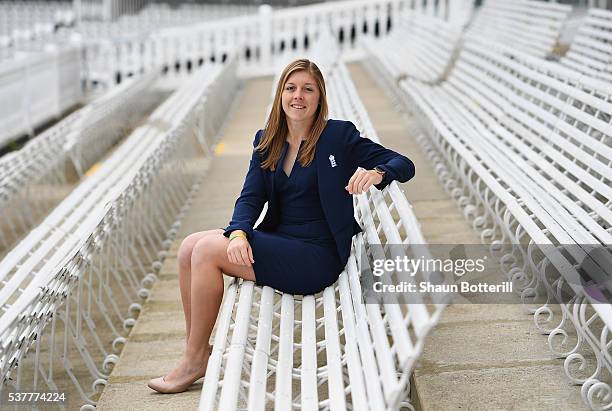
(325, 178)
(279, 168)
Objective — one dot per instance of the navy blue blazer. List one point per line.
(339, 139)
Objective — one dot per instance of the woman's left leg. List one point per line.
(208, 262)
(184, 266)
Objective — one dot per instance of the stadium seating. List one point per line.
(523, 145)
(76, 142)
(112, 229)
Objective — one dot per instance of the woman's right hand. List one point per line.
(239, 252)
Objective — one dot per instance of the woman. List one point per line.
(306, 168)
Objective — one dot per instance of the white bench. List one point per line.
(324, 351)
(533, 27)
(591, 49)
(31, 176)
(527, 155)
(419, 47)
(97, 245)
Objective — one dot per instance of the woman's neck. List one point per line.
(298, 131)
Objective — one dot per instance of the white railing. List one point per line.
(259, 39)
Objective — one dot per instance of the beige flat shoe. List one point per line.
(162, 386)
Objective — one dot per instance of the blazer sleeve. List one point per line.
(368, 154)
(252, 198)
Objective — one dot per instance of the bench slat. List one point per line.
(309, 355)
(213, 369)
(284, 369)
(233, 368)
(259, 369)
(333, 353)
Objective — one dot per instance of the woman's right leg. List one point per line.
(184, 262)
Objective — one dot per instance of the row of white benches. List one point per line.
(524, 146)
(327, 351)
(102, 245)
(424, 48)
(34, 177)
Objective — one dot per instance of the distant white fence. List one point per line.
(260, 38)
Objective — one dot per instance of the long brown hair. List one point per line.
(276, 130)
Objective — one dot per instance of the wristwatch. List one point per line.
(380, 171)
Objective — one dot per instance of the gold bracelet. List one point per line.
(236, 235)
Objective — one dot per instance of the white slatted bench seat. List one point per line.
(327, 351)
(80, 140)
(591, 49)
(419, 47)
(533, 27)
(527, 138)
(530, 162)
(577, 144)
(142, 179)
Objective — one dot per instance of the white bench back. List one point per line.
(533, 27)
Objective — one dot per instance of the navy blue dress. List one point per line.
(300, 256)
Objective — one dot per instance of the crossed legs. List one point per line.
(202, 258)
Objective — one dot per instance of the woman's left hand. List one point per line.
(362, 180)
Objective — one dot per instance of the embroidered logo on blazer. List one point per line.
(332, 161)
